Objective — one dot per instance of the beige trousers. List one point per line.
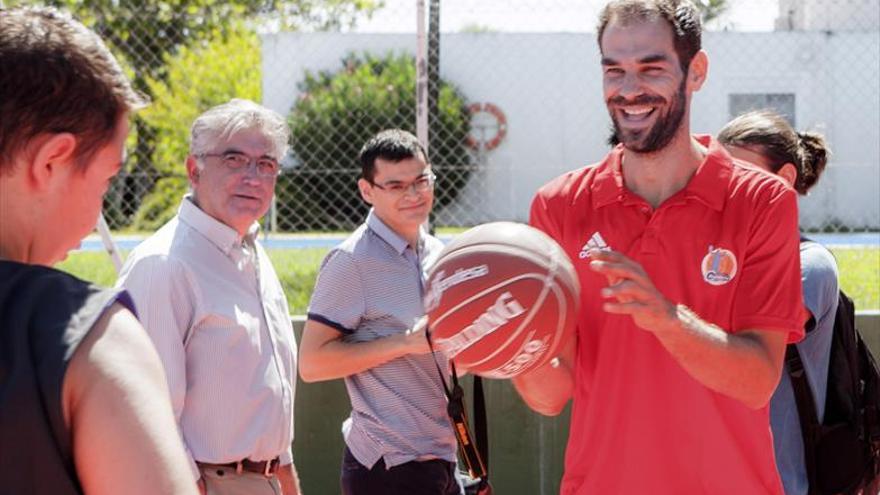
(225, 481)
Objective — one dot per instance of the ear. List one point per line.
(788, 172)
(698, 70)
(192, 170)
(52, 157)
(366, 190)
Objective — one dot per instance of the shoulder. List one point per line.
(166, 253)
(340, 261)
(749, 181)
(817, 262)
(35, 288)
(42, 280)
(116, 334)
(571, 186)
(168, 241)
(356, 244)
(150, 267)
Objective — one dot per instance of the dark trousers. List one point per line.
(434, 477)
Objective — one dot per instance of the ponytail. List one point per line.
(814, 151)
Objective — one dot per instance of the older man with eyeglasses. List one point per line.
(213, 306)
(366, 325)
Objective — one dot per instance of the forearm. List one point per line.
(547, 389)
(289, 480)
(742, 366)
(338, 359)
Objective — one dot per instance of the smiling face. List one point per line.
(645, 89)
(236, 198)
(403, 211)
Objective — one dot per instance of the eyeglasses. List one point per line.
(423, 184)
(239, 162)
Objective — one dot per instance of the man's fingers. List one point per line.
(606, 255)
(616, 271)
(623, 308)
(625, 291)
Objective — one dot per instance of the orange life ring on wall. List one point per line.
(491, 142)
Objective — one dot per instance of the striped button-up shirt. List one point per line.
(370, 287)
(216, 312)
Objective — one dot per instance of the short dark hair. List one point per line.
(682, 15)
(58, 76)
(391, 144)
(770, 135)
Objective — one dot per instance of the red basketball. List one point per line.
(501, 299)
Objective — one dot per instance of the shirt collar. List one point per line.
(221, 235)
(708, 185)
(391, 237)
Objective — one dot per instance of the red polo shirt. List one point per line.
(727, 247)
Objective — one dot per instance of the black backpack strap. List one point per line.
(457, 412)
(481, 427)
(806, 405)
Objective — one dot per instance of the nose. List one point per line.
(411, 190)
(250, 175)
(630, 86)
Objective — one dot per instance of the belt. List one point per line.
(266, 468)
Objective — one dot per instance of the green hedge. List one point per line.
(333, 117)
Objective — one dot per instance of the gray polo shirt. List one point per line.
(369, 287)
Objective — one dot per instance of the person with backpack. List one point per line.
(766, 140)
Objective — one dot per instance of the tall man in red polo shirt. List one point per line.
(691, 288)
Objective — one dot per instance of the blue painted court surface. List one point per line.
(126, 243)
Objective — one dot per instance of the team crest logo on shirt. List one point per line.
(719, 266)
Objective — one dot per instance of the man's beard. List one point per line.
(663, 130)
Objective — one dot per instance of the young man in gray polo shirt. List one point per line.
(366, 324)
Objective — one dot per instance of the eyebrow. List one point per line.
(423, 175)
(649, 59)
(236, 150)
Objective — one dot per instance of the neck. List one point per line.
(411, 236)
(17, 241)
(407, 233)
(657, 176)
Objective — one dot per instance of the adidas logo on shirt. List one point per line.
(596, 242)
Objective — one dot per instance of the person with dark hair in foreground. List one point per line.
(83, 403)
(690, 284)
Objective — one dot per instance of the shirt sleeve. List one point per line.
(541, 217)
(165, 309)
(769, 293)
(820, 281)
(338, 298)
(286, 457)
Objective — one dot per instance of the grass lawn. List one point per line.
(859, 273)
(860, 276)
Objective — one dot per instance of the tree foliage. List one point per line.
(711, 9)
(337, 112)
(146, 31)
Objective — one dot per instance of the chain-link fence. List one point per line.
(514, 96)
(515, 99)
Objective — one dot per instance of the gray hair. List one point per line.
(223, 121)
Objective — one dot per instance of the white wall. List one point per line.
(549, 87)
(837, 15)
